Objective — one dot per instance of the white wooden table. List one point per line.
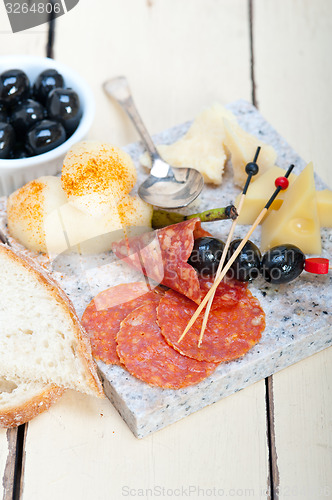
(273, 439)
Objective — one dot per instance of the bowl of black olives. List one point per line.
(45, 108)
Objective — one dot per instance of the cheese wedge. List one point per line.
(324, 205)
(201, 147)
(242, 147)
(297, 220)
(258, 193)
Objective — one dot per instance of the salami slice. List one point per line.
(162, 255)
(102, 317)
(228, 293)
(147, 356)
(231, 330)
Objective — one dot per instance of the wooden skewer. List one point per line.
(232, 259)
(228, 241)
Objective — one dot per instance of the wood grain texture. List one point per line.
(293, 68)
(8, 439)
(303, 425)
(179, 56)
(81, 448)
(293, 71)
(3, 458)
(32, 41)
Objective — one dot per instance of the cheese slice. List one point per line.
(297, 221)
(259, 191)
(201, 147)
(242, 147)
(324, 204)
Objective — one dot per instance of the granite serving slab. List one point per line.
(298, 316)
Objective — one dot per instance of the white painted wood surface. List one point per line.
(30, 42)
(82, 449)
(3, 458)
(293, 70)
(180, 56)
(167, 53)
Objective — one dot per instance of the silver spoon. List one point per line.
(166, 186)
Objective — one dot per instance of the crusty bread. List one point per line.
(21, 401)
(41, 338)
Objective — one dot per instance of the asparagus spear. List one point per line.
(162, 218)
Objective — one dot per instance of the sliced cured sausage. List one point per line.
(147, 356)
(103, 316)
(228, 292)
(231, 330)
(162, 255)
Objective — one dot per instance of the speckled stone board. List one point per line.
(298, 316)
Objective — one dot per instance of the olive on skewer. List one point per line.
(206, 255)
(246, 266)
(281, 264)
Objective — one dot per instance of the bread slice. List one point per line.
(41, 339)
(21, 401)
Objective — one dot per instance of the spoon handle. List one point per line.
(118, 88)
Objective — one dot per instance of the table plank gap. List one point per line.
(51, 33)
(293, 68)
(273, 479)
(270, 430)
(20, 461)
(89, 439)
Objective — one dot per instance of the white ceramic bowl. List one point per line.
(15, 173)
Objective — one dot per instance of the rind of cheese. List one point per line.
(297, 221)
(201, 147)
(28, 207)
(324, 205)
(242, 147)
(258, 193)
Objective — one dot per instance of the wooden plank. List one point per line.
(32, 41)
(81, 448)
(303, 416)
(178, 56)
(8, 439)
(292, 71)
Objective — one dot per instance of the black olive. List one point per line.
(63, 105)
(246, 266)
(282, 264)
(44, 136)
(25, 115)
(47, 80)
(19, 152)
(206, 255)
(7, 140)
(14, 86)
(3, 113)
